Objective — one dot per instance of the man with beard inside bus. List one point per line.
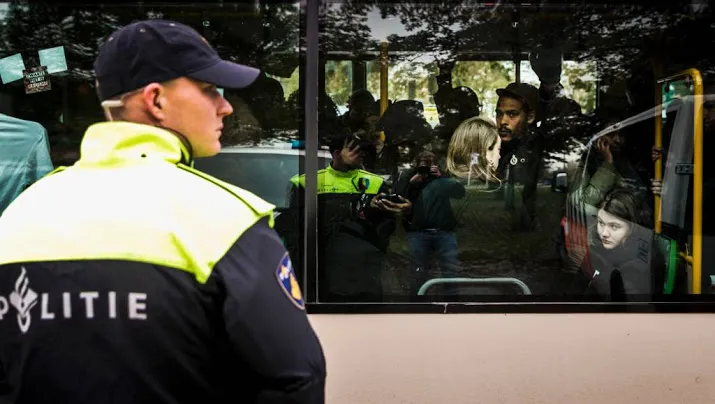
(522, 145)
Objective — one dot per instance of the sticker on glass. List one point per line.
(11, 68)
(54, 59)
(36, 80)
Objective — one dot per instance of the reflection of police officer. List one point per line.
(149, 281)
(355, 223)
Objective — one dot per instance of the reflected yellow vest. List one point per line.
(331, 181)
(131, 196)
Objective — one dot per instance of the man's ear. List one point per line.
(153, 98)
(531, 117)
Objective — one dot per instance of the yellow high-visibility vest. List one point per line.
(132, 196)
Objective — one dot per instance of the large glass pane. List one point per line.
(565, 93)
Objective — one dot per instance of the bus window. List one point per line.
(458, 222)
(338, 82)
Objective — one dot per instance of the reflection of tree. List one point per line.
(264, 35)
(624, 42)
(344, 28)
(338, 81)
(404, 75)
(71, 105)
(484, 78)
(448, 28)
(267, 38)
(579, 83)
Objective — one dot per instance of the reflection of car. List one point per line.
(265, 171)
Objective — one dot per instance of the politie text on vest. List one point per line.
(66, 305)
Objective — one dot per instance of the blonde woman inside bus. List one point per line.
(474, 151)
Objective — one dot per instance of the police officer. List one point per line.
(130, 277)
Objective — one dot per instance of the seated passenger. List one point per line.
(622, 254)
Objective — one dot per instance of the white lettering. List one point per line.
(135, 305)
(46, 315)
(112, 304)
(3, 307)
(93, 301)
(89, 302)
(36, 74)
(66, 305)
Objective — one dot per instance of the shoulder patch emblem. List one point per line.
(364, 183)
(289, 283)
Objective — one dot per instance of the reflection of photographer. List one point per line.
(430, 224)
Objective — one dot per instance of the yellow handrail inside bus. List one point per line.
(696, 259)
(383, 81)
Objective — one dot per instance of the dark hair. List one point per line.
(425, 155)
(337, 142)
(629, 206)
(361, 96)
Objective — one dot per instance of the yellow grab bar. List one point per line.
(696, 259)
(383, 81)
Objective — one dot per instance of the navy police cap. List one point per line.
(156, 51)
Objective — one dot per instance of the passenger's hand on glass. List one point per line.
(656, 186)
(656, 153)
